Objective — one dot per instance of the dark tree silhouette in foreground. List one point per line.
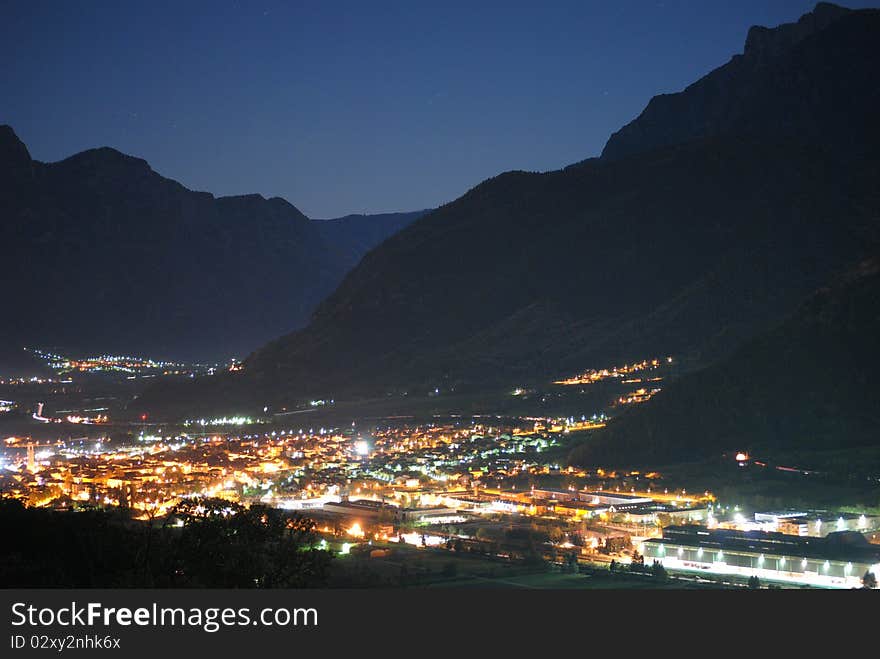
(201, 543)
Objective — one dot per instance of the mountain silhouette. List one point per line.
(109, 256)
(808, 384)
(780, 86)
(703, 223)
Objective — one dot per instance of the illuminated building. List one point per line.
(438, 515)
(362, 508)
(838, 560)
(805, 523)
(558, 495)
(616, 499)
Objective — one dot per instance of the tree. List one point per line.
(220, 544)
(664, 520)
(659, 571)
(228, 545)
(483, 534)
(556, 533)
(869, 581)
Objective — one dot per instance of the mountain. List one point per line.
(808, 384)
(101, 253)
(352, 236)
(686, 248)
(784, 84)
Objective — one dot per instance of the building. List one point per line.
(365, 509)
(435, 515)
(463, 501)
(578, 509)
(554, 495)
(838, 560)
(664, 513)
(816, 523)
(614, 500)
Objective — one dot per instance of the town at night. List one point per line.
(445, 498)
(403, 326)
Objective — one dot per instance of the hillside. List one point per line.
(353, 236)
(780, 86)
(808, 384)
(685, 249)
(110, 256)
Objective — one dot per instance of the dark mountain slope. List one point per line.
(794, 81)
(686, 249)
(530, 274)
(808, 384)
(101, 253)
(353, 236)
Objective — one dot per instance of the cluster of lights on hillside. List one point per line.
(624, 372)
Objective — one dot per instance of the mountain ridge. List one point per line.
(690, 247)
(723, 102)
(771, 393)
(113, 256)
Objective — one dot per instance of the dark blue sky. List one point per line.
(358, 106)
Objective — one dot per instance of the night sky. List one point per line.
(353, 107)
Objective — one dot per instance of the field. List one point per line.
(408, 566)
